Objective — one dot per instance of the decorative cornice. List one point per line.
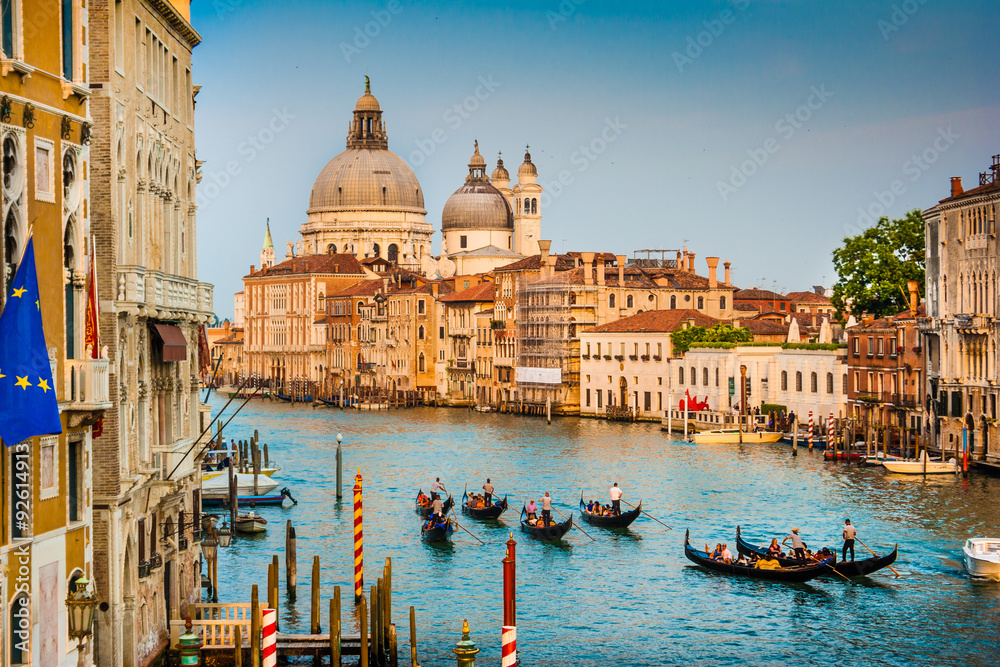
(177, 22)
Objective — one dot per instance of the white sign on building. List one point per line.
(539, 375)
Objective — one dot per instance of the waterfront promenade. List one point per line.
(627, 598)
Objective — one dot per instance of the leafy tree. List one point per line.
(874, 266)
(720, 333)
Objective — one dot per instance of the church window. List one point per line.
(784, 380)
(463, 241)
(611, 301)
(421, 363)
(680, 375)
(798, 381)
(628, 301)
(673, 302)
(393, 253)
(701, 302)
(534, 206)
(722, 303)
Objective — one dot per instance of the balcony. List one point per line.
(465, 332)
(973, 325)
(906, 400)
(158, 294)
(460, 364)
(86, 392)
(366, 367)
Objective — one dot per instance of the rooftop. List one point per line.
(657, 321)
(339, 264)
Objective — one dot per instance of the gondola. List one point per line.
(786, 574)
(555, 532)
(623, 520)
(438, 532)
(492, 512)
(848, 568)
(425, 510)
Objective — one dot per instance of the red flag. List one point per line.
(92, 332)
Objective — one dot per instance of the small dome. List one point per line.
(500, 173)
(527, 167)
(477, 205)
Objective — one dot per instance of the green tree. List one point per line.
(683, 338)
(874, 266)
(720, 333)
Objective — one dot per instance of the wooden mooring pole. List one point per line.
(314, 608)
(413, 638)
(795, 436)
(291, 566)
(274, 583)
(238, 647)
(254, 628)
(335, 626)
(363, 614)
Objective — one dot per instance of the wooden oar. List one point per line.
(649, 515)
(876, 556)
(574, 524)
(845, 577)
(463, 527)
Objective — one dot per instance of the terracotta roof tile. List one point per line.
(335, 264)
(480, 292)
(754, 294)
(657, 321)
(807, 297)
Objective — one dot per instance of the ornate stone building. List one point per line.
(366, 201)
(961, 330)
(146, 477)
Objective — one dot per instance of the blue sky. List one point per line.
(759, 131)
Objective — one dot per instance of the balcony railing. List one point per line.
(972, 324)
(156, 290)
(86, 384)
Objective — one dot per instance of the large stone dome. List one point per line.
(477, 204)
(368, 178)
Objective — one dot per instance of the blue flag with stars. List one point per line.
(28, 404)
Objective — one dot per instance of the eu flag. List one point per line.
(28, 404)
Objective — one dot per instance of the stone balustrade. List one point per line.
(159, 292)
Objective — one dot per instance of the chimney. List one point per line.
(601, 277)
(866, 320)
(812, 311)
(253, 268)
(680, 262)
(956, 186)
(713, 264)
(914, 288)
(691, 262)
(621, 269)
(727, 264)
(543, 248)
(588, 267)
(434, 289)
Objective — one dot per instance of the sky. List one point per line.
(759, 131)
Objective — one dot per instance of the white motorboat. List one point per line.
(220, 485)
(982, 557)
(726, 436)
(251, 522)
(922, 466)
(212, 474)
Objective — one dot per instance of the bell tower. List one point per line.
(267, 252)
(526, 199)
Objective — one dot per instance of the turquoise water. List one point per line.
(625, 598)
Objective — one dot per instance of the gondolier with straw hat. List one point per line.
(798, 546)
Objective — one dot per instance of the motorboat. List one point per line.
(251, 522)
(212, 474)
(878, 458)
(220, 485)
(922, 466)
(982, 557)
(726, 436)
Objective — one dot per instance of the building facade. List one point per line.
(146, 475)
(961, 329)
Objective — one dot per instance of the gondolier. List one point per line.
(437, 486)
(488, 490)
(850, 532)
(547, 508)
(798, 546)
(616, 499)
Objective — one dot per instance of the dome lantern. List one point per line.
(367, 130)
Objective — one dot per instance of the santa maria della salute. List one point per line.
(368, 203)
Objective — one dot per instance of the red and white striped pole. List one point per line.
(810, 430)
(359, 550)
(830, 428)
(269, 633)
(508, 636)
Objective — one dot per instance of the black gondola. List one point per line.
(425, 510)
(547, 532)
(623, 520)
(848, 568)
(492, 512)
(437, 532)
(787, 574)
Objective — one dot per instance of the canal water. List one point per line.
(623, 598)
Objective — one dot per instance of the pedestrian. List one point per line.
(616, 499)
(546, 508)
(798, 546)
(437, 486)
(488, 490)
(850, 532)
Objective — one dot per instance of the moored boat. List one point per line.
(437, 531)
(623, 520)
(848, 568)
(797, 574)
(878, 458)
(494, 511)
(425, 510)
(726, 436)
(982, 557)
(272, 499)
(554, 531)
(922, 466)
(244, 481)
(212, 474)
(250, 522)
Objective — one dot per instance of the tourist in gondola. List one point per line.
(616, 499)
(546, 508)
(727, 555)
(850, 532)
(488, 490)
(798, 546)
(590, 506)
(768, 562)
(531, 509)
(775, 548)
(422, 499)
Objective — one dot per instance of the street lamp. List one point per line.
(210, 547)
(80, 605)
(225, 535)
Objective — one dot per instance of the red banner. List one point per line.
(92, 332)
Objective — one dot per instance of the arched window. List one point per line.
(694, 376)
(722, 303)
(421, 362)
(534, 206)
(813, 383)
(673, 302)
(798, 381)
(829, 383)
(611, 301)
(360, 306)
(393, 254)
(69, 262)
(704, 377)
(701, 303)
(331, 249)
(680, 375)
(628, 301)
(420, 332)
(376, 250)
(784, 380)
